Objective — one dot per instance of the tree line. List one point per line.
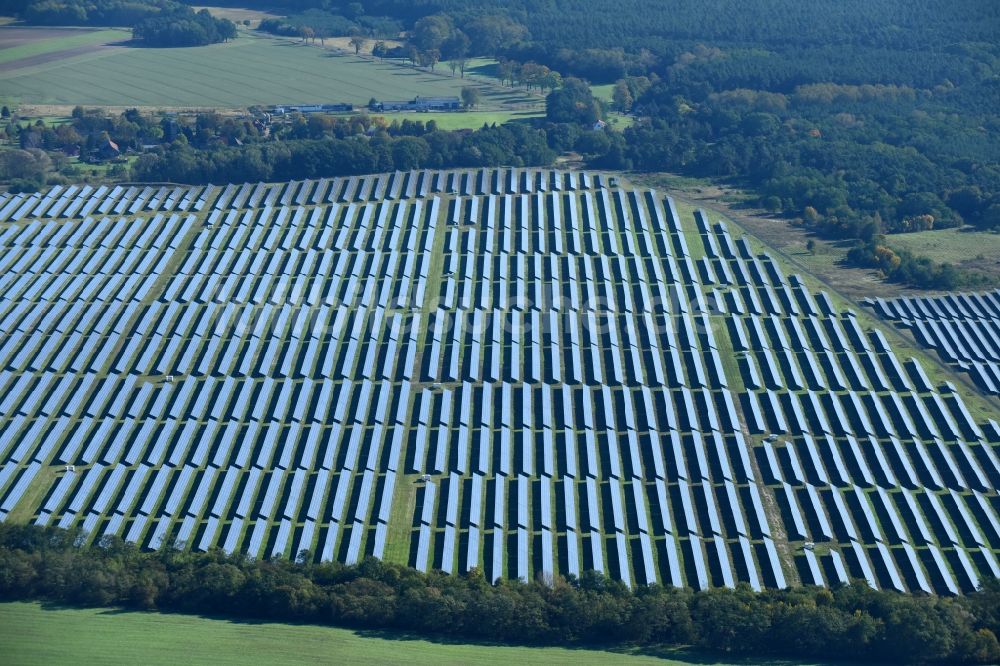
(210, 147)
(326, 157)
(850, 622)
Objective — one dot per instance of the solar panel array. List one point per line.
(964, 329)
(79, 201)
(887, 474)
(588, 381)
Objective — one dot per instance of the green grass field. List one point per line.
(976, 250)
(73, 39)
(465, 120)
(250, 70)
(603, 92)
(482, 67)
(33, 634)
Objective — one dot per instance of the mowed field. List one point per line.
(251, 70)
(32, 634)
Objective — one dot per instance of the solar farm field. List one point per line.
(533, 372)
(250, 70)
(964, 329)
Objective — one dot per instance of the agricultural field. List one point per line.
(533, 372)
(23, 47)
(250, 70)
(32, 634)
(964, 330)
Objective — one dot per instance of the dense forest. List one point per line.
(182, 26)
(860, 41)
(851, 623)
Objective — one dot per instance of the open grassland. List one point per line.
(965, 248)
(482, 67)
(619, 121)
(603, 92)
(251, 70)
(32, 634)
